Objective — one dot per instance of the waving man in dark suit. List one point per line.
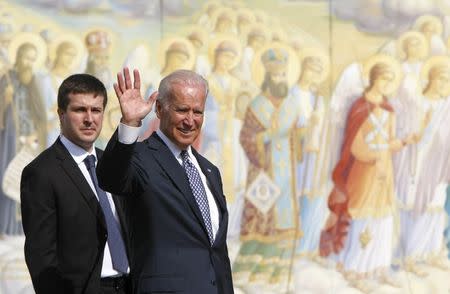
(176, 208)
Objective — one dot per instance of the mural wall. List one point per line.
(328, 120)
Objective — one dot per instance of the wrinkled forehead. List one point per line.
(188, 90)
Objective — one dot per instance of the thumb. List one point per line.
(152, 98)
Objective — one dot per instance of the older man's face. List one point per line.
(278, 86)
(181, 117)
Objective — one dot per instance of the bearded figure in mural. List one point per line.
(269, 135)
(98, 44)
(360, 229)
(22, 118)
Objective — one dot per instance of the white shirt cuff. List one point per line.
(128, 134)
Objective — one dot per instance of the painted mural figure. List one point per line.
(178, 54)
(256, 39)
(219, 133)
(348, 89)
(413, 48)
(425, 220)
(98, 44)
(245, 20)
(23, 116)
(268, 137)
(221, 130)
(199, 40)
(65, 58)
(360, 228)
(6, 34)
(447, 202)
(243, 98)
(431, 27)
(224, 21)
(312, 110)
(206, 19)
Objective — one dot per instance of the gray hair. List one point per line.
(181, 77)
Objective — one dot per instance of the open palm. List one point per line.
(132, 105)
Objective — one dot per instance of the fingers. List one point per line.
(124, 81)
(120, 85)
(117, 90)
(137, 79)
(126, 73)
(152, 97)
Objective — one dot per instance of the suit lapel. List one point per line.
(176, 173)
(74, 173)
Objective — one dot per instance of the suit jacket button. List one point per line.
(213, 282)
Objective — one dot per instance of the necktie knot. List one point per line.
(89, 161)
(184, 155)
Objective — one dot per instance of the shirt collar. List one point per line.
(172, 147)
(78, 153)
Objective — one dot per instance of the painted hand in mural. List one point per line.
(132, 105)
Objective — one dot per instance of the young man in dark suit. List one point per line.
(74, 230)
(178, 224)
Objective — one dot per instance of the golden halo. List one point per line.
(261, 16)
(112, 37)
(412, 34)
(32, 38)
(236, 4)
(429, 18)
(431, 62)
(222, 11)
(72, 39)
(386, 59)
(278, 34)
(164, 46)
(216, 42)
(211, 4)
(261, 29)
(293, 64)
(246, 12)
(9, 21)
(298, 43)
(197, 29)
(322, 56)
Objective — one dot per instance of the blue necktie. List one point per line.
(115, 240)
(199, 192)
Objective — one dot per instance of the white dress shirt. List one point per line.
(79, 154)
(129, 135)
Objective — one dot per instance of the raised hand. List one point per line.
(132, 105)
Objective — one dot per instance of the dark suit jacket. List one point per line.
(64, 225)
(169, 245)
